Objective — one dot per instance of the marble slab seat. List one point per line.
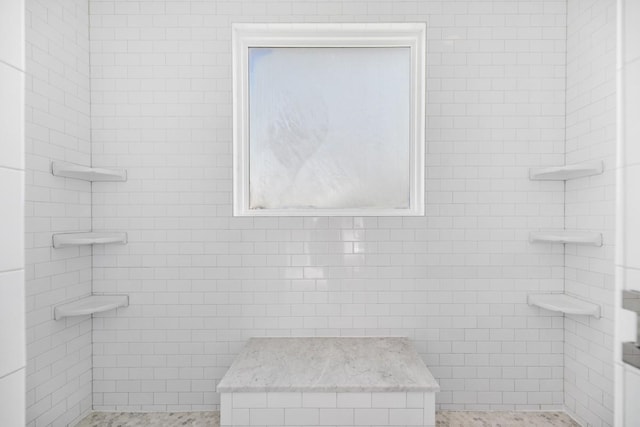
(328, 381)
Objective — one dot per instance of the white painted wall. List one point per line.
(12, 307)
(57, 115)
(628, 204)
(201, 282)
(590, 205)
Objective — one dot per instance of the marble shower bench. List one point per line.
(327, 381)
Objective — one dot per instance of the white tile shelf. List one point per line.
(89, 305)
(564, 303)
(564, 236)
(62, 240)
(70, 170)
(563, 173)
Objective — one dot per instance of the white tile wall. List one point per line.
(11, 116)
(201, 282)
(57, 114)
(631, 388)
(627, 385)
(343, 409)
(12, 355)
(12, 404)
(590, 205)
(630, 251)
(12, 306)
(629, 158)
(630, 36)
(12, 35)
(631, 128)
(12, 214)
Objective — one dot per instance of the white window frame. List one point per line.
(246, 36)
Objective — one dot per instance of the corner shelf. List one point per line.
(70, 170)
(564, 303)
(62, 240)
(89, 305)
(563, 173)
(564, 236)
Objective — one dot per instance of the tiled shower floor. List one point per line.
(444, 419)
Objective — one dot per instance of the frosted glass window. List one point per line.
(327, 129)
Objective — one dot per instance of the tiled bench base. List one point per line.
(243, 409)
(328, 381)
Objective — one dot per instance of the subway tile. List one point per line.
(12, 322)
(12, 21)
(12, 387)
(12, 116)
(12, 224)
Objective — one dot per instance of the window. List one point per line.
(328, 119)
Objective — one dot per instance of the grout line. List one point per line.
(12, 270)
(12, 372)
(90, 190)
(12, 66)
(564, 202)
(12, 168)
